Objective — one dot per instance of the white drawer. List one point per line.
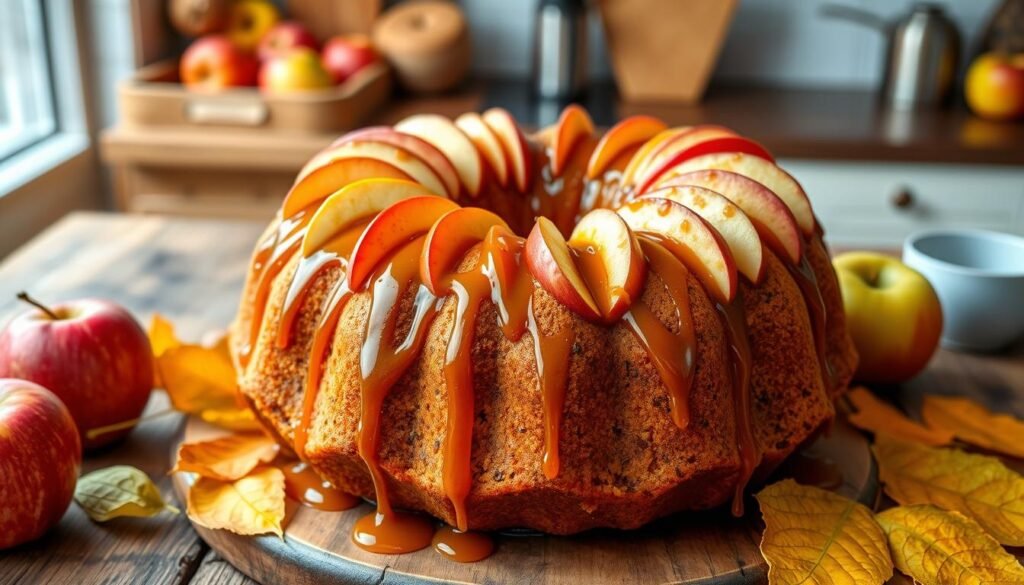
(857, 202)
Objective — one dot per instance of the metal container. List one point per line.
(922, 55)
(560, 49)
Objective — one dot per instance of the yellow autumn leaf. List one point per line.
(977, 486)
(233, 419)
(161, 335)
(815, 536)
(198, 378)
(935, 547)
(875, 415)
(119, 491)
(253, 504)
(227, 458)
(975, 424)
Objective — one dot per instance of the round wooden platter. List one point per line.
(695, 548)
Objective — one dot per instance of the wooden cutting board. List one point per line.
(707, 547)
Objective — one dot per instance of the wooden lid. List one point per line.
(421, 27)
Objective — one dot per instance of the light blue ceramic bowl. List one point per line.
(979, 277)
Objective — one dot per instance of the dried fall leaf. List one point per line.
(975, 424)
(161, 335)
(946, 548)
(198, 378)
(815, 536)
(251, 505)
(875, 415)
(227, 458)
(977, 486)
(119, 491)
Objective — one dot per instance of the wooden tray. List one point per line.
(153, 97)
(708, 547)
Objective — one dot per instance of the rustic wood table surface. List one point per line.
(191, 271)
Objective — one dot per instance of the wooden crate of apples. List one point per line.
(248, 65)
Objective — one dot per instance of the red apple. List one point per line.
(994, 86)
(91, 353)
(40, 454)
(343, 56)
(297, 70)
(214, 62)
(283, 37)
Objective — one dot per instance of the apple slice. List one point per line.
(398, 224)
(417, 146)
(448, 241)
(446, 136)
(698, 245)
(632, 131)
(714, 145)
(319, 184)
(769, 214)
(610, 260)
(684, 140)
(353, 203)
(550, 260)
(730, 221)
(401, 158)
(573, 126)
(517, 149)
(760, 170)
(487, 144)
(642, 156)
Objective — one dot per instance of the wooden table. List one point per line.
(191, 271)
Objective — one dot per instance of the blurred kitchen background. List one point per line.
(92, 114)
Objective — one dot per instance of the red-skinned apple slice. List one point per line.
(398, 157)
(319, 184)
(769, 214)
(725, 216)
(610, 261)
(427, 152)
(684, 140)
(352, 203)
(517, 149)
(714, 145)
(487, 143)
(698, 245)
(573, 126)
(446, 136)
(550, 260)
(643, 155)
(396, 225)
(760, 170)
(448, 241)
(632, 131)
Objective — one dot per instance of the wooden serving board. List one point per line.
(706, 547)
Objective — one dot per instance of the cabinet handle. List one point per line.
(903, 199)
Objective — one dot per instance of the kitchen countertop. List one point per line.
(191, 271)
(831, 125)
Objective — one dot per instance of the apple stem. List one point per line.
(23, 296)
(125, 424)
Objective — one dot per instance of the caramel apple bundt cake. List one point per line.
(559, 331)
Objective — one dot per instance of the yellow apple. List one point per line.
(297, 70)
(892, 313)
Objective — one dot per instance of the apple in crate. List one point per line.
(343, 56)
(40, 455)
(213, 62)
(296, 70)
(283, 37)
(249, 21)
(91, 353)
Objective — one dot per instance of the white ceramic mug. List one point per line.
(979, 277)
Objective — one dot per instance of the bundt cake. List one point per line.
(559, 331)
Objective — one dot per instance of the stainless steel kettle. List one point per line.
(922, 56)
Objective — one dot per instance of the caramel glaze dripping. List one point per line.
(672, 353)
(461, 546)
(559, 198)
(303, 485)
(739, 345)
(807, 282)
(271, 256)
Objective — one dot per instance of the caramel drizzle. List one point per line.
(672, 353)
(303, 485)
(739, 345)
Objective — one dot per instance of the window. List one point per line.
(27, 109)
